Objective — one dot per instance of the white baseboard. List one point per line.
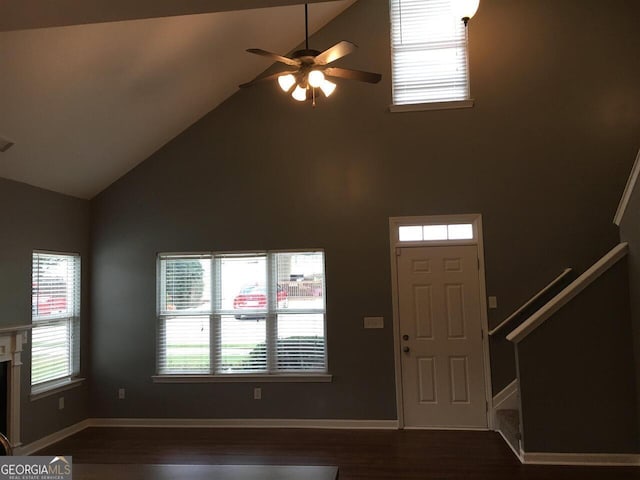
(517, 453)
(244, 423)
(603, 459)
(204, 423)
(43, 442)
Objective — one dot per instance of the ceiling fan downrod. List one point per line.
(306, 26)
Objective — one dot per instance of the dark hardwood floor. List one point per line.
(359, 454)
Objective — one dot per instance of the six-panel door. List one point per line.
(441, 337)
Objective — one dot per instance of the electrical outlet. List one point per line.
(121, 394)
(257, 393)
(61, 403)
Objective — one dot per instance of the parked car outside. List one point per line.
(55, 303)
(254, 297)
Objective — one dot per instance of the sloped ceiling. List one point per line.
(86, 103)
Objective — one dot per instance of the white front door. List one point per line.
(441, 337)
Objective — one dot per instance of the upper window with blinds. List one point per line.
(259, 313)
(55, 314)
(429, 53)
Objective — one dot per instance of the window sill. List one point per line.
(311, 378)
(419, 107)
(55, 387)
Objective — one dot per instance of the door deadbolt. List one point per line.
(405, 337)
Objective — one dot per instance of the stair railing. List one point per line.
(565, 296)
(556, 281)
(632, 181)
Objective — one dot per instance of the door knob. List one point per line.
(405, 337)
(405, 349)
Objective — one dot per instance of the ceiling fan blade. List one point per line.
(274, 56)
(353, 74)
(266, 76)
(336, 52)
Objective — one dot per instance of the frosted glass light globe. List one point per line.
(286, 82)
(299, 94)
(316, 77)
(327, 87)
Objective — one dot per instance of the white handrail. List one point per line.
(628, 190)
(574, 288)
(533, 299)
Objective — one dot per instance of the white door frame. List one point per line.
(394, 243)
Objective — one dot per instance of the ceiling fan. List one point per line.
(308, 69)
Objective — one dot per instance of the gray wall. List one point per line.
(577, 374)
(33, 218)
(502, 349)
(630, 232)
(543, 156)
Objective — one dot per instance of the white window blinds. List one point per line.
(185, 312)
(55, 311)
(429, 52)
(261, 313)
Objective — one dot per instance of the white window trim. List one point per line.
(55, 386)
(231, 378)
(312, 376)
(394, 242)
(397, 222)
(424, 107)
(468, 102)
(51, 387)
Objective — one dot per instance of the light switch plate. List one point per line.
(493, 302)
(373, 322)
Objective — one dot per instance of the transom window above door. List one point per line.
(460, 229)
(426, 233)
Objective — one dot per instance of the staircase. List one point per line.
(573, 390)
(506, 404)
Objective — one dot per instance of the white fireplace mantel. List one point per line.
(12, 339)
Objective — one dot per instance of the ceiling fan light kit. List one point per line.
(308, 69)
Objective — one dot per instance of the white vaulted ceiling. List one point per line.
(86, 103)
